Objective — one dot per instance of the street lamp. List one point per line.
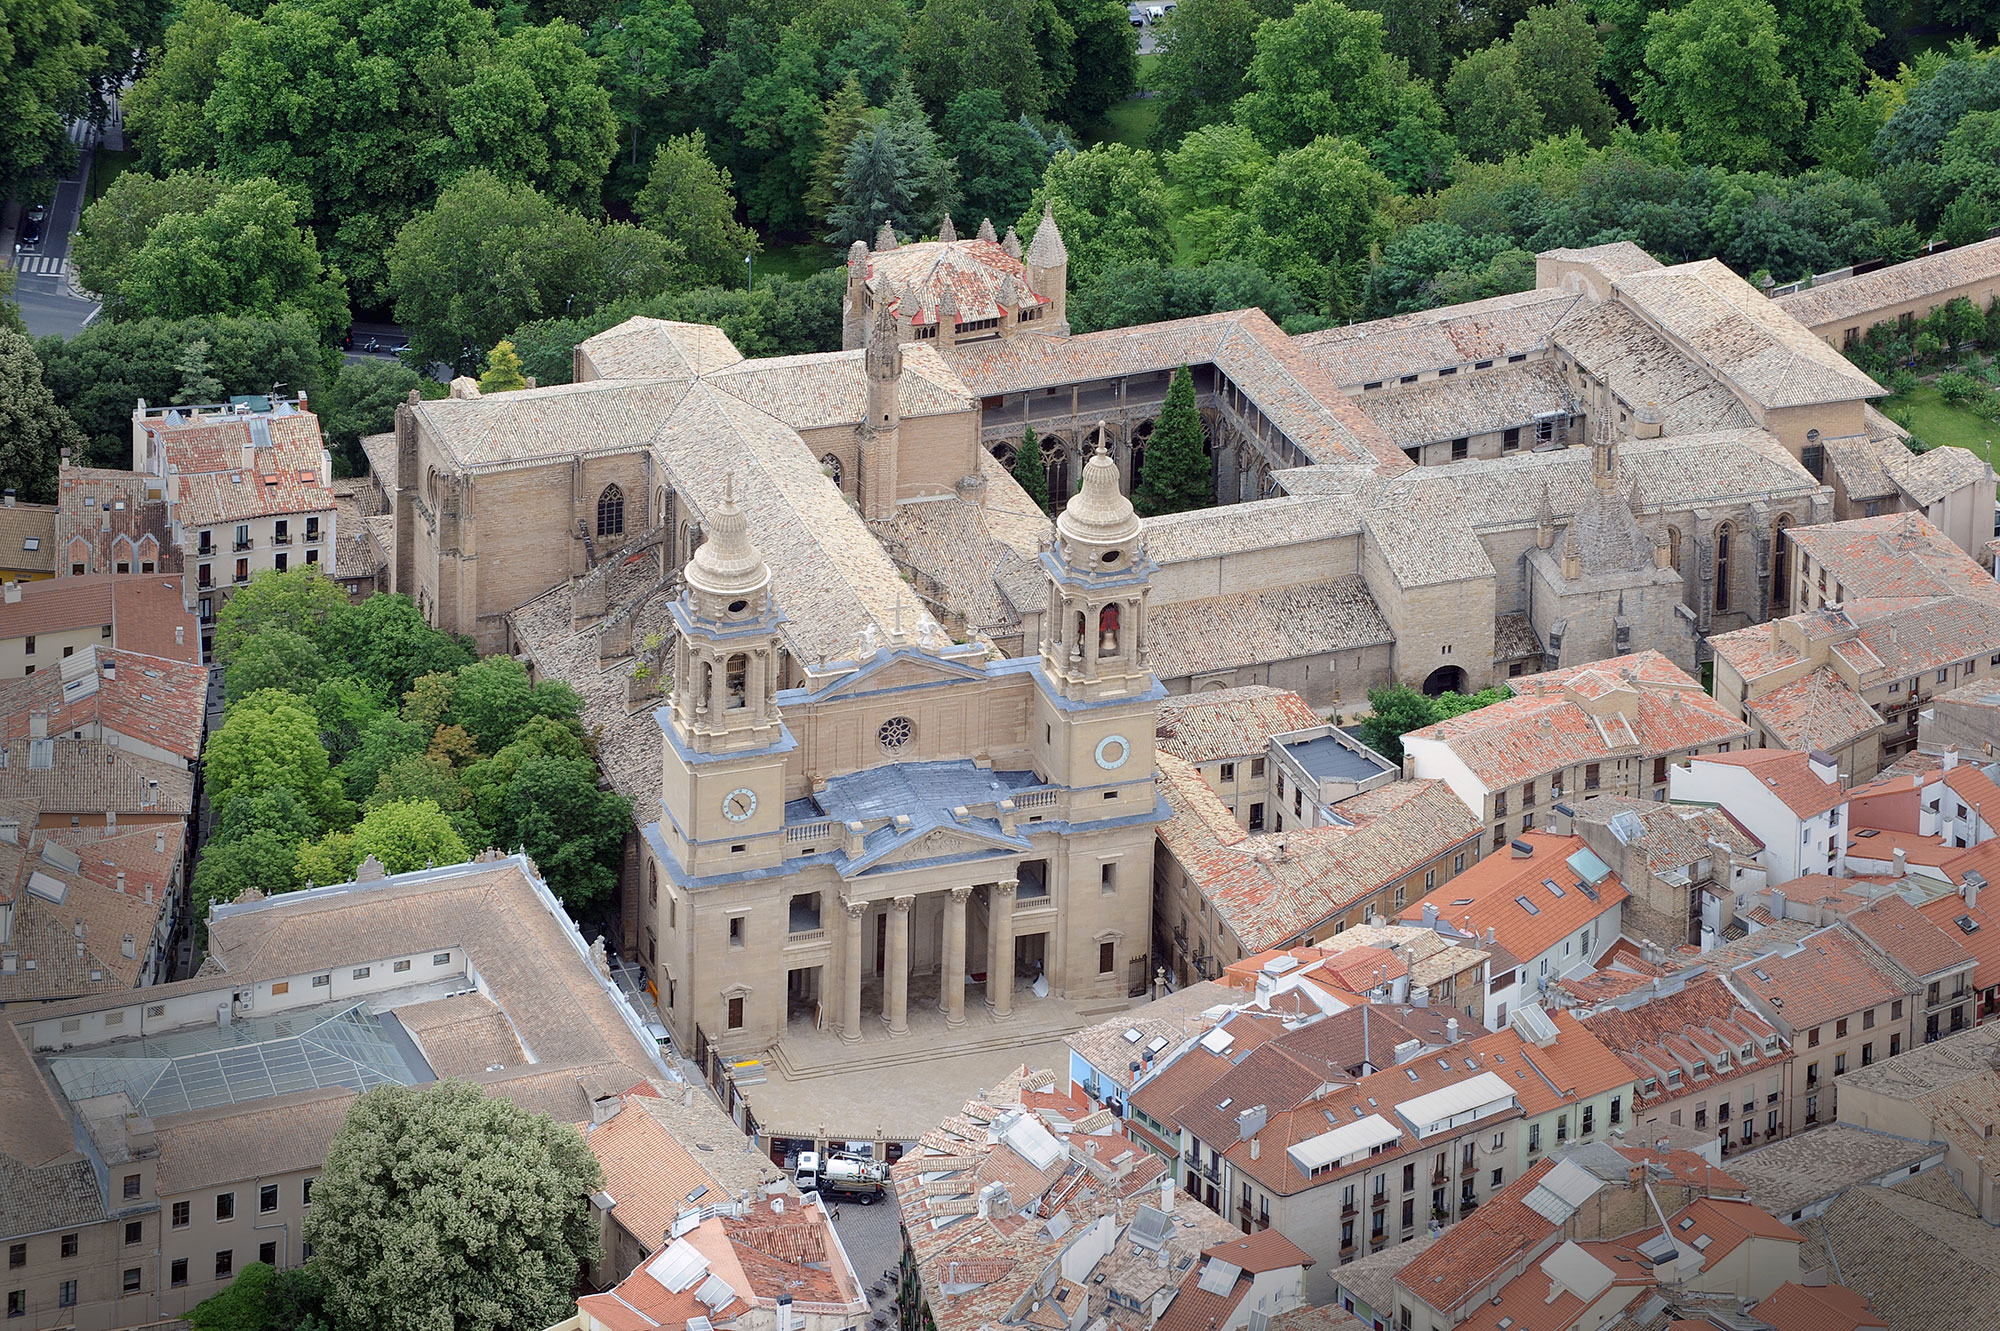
(749, 272)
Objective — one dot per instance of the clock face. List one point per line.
(739, 804)
(1112, 751)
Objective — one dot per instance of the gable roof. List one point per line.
(1787, 774)
(1830, 975)
(1910, 937)
(1513, 895)
(1230, 723)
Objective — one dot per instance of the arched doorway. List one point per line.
(1445, 679)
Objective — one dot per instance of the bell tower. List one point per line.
(722, 780)
(1103, 697)
(880, 431)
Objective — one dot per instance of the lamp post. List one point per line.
(749, 272)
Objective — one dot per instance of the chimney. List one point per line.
(38, 725)
(1256, 1147)
(1950, 757)
(160, 842)
(110, 664)
(1451, 1030)
(1251, 1122)
(111, 823)
(249, 453)
(1901, 866)
(1777, 903)
(784, 1312)
(1420, 995)
(1430, 915)
(1523, 850)
(1974, 881)
(1562, 818)
(1824, 766)
(1167, 1193)
(130, 947)
(12, 591)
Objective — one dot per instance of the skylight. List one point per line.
(1133, 1035)
(1528, 906)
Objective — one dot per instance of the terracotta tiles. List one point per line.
(1910, 937)
(1896, 554)
(1788, 775)
(1234, 723)
(1489, 894)
(1831, 975)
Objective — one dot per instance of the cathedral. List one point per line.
(889, 726)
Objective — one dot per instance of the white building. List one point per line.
(1791, 801)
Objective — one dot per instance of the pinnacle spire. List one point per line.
(1047, 249)
(727, 562)
(946, 231)
(885, 239)
(986, 230)
(1012, 244)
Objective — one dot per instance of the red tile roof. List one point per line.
(1727, 1224)
(1796, 1307)
(161, 702)
(1910, 937)
(1896, 554)
(1983, 942)
(1575, 1067)
(143, 610)
(1480, 1246)
(647, 1172)
(1970, 783)
(1706, 1013)
(1788, 774)
(1267, 1250)
(1230, 723)
(1488, 896)
(1831, 975)
(286, 476)
(1816, 711)
(1640, 704)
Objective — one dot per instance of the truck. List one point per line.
(841, 1175)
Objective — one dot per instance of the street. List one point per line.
(49, 302)
(873, 1237)
(1145, 26)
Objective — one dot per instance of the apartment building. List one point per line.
(1931, 955)
(1682, 866)
(1794, 803)
(52, 620)
(1225, 734)
(248, 485)
(1546, 908)
(1609, 727)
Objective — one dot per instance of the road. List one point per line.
(49, 302)
(1138, 15)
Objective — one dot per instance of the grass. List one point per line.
(1131, 121)
(1923, 413)
(796, 260)
(106, 167)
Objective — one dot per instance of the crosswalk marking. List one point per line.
(41, 265)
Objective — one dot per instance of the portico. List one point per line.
(879, 953)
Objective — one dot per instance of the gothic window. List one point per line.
(733, 676)
(611, 512)
(895, 733)
(1723, 534)
(831, 466)
(1055, 463)
(1781, 563)
(1674, 547)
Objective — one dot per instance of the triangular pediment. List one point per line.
(937, 844)
(944, 841)
(902, 670)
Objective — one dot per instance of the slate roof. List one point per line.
(1643, 367)
(1487, 894)
(1266, 894)
(1792, 1174)
(1767, 354)
(1913, 279)
(99, 507)
(1892, 1244)
(54, 961)
(21, 524)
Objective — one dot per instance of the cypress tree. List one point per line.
(1029, 472)
(1176, 476)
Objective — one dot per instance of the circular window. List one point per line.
(1111, 556)
(738, 607)
(896, 732)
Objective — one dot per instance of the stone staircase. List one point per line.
(806, 1054)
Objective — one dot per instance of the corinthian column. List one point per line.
(1000, 947)
(896, 984)
(850, 1006)
(951, 988)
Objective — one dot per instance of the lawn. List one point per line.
(1131, 121)
(796, 260)
(105, 167)
(1926, 415)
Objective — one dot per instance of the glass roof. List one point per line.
(335, 1044)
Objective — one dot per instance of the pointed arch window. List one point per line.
(611, 512)
(1781, 563)
(1723, 537)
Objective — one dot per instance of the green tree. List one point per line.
(241, 1305)
(574, 832)
(932, 175)
(345, 707)
(407, 1168)
(648, 53)
(1212, 171)
(491, 255)
(1111, 205)
(247, 252)
(33, 428)
(1713, 74)
(163, 110)
(1103, 51)
(493, 698)
(99, 373)
(260, 860)
(276, 812)
(303, 600)
(1397, 709)
(48, 60)
(1178, 477)
(956, 46)
(275, 658)
(1315, 215)
(1143, 293)
(503, 369)
(1319, 72)
(362, 401)
(114, 229)
(778, 122)
(1202, 54)
(271, 738)
(1416, 32)
(1493, 113)
(1970, 160)
(896, 174)
(999, 162)
(1821, 43)
(383, 742)
(847, 114)
(404, 836)
(1557, 53)
(1409, 271)
(389, 644)
(1029, 471)
(687, 200)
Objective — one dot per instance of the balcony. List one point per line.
(312, 535)
(204, 582)
(240, 546)
(1439, 1176)
(282, 538)
(1347, 1209)
(1467, 1168)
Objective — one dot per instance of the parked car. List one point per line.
(34, 225)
